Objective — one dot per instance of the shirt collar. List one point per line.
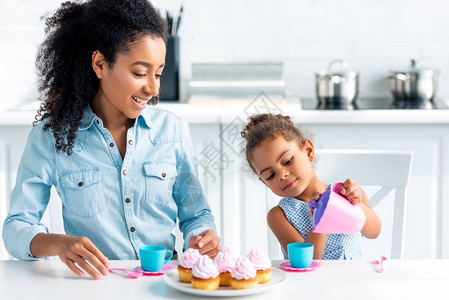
(89, 117)
(146, 116)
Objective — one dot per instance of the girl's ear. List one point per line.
(310, 150)
(98, 64)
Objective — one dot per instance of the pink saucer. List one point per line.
(162, 271)
(286, 266)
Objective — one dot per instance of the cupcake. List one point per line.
(225, 262)
(243, 276)
(186, 263)
(262, 265)
(205, 275)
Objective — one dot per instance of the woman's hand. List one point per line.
(207, 243)
(78, 253)
(351, 191)
(82, 252)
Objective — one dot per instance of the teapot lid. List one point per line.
(320, 206)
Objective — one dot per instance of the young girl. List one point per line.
(124, 171)
(282, 157)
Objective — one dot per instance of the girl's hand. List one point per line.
(351, 191)
(315, 197)
(82, 252)
(207, 243)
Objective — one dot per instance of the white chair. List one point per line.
(388, 169)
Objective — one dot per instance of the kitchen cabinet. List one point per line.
(237, 197)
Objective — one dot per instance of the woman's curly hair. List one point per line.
(267, 127)
(67, 82)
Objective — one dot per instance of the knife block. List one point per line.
(169, 90)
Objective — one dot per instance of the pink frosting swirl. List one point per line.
(225, 260)
(205, 268)
(229, 251)
(244, 269)
(259, 261)
(190, 258)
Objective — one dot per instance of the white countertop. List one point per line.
(337, 279)
(228, 113)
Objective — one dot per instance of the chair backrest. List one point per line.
(388, 169)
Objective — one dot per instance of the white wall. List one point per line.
(21, 31)
(373, 36)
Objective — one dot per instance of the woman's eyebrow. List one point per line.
(146, 64)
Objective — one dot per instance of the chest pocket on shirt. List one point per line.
(159, 180)
(83, 192)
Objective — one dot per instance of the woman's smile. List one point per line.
(141, 102)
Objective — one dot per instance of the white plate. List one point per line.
(171, 278)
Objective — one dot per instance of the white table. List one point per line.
(401, 279)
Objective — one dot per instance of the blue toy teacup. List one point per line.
(300, 254)
(153, 258)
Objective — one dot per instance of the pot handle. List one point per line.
(342, 66)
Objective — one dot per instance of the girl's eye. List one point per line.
(140, 75)
(271, 177)
(158, 75)
(289, 161)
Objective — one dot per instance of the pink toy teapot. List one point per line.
(335, 214)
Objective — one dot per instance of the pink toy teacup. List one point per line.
(335, 214)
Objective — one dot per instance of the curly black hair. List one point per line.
(264, 127)
(67, 82)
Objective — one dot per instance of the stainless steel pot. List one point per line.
(336, 84)
(414, 83)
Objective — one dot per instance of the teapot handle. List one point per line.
(336, 186)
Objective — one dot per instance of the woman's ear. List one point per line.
(310, 150)
(98, 64)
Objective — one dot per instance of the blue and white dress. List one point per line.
(338, 246)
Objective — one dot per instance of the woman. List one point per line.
(124, 171)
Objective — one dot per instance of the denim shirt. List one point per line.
(119, 204)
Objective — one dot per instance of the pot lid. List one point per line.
(337, 67)
(414, 69)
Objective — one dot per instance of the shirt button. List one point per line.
(132, 229)
(98, 122)
(111, 144)
(80, 184)
(163, 175)
(127, 200)
(125, 172)
(131, 142)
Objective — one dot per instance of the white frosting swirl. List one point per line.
(190, 258)
(259, 261)
(205, 268)
(244, 269)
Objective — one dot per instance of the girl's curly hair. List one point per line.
(267, 127)
(67, 82)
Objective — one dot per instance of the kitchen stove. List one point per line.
(375, 103)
